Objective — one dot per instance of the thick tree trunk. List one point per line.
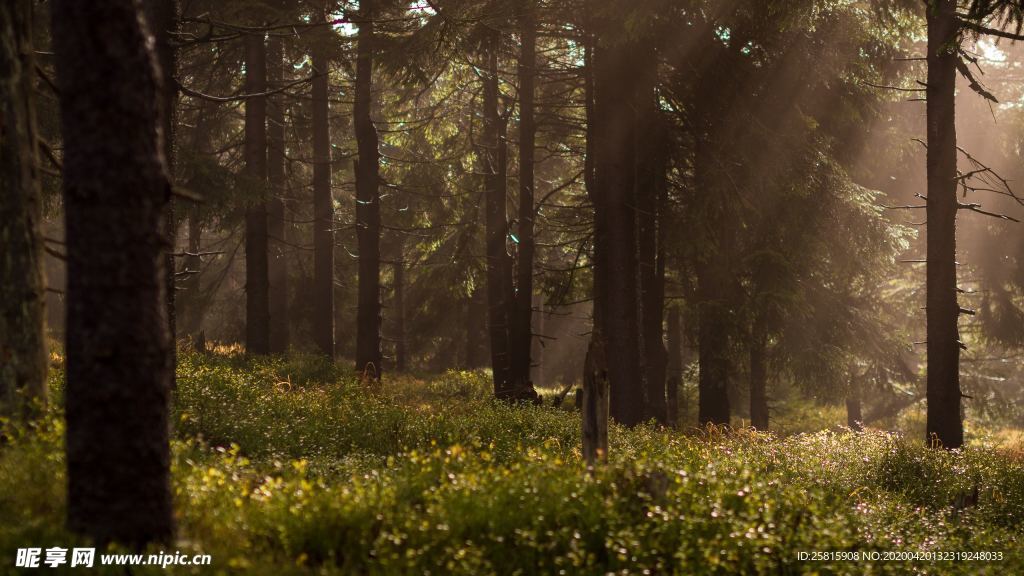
(944, 424)
(278, 257)
(675, 364)
(323, 213)
(651, 191)
(714, 315)
(614, 153)
(499, 263)
(162, 18)
(22, 282)
(116, 190)
(257, 275)
(522, 313)
(367, 168)
(759, 375)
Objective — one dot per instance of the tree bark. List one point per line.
(651, 194)
(522, 313)
(499, 263)
(944, 425)
(675, 364)
(323, 212)
(614, 132)
(278, 257)
(759, 375)
(257, 274)
(116, 190)
(162, 19)
(714, 315)
(23, 350)
(367, 169)
(400, 345)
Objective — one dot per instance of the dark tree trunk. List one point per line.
(522, 314)
(651, 191)
(854, 414)
(614, 61)
(323, 213)
(499, 263)
(162, 18)
(278, 257)
(22, 282)
(944, 424)
(367, 169)
(675, 364)
(257, 274)
(116, 190)
(714, 316)
(400, 350)
(759, 375)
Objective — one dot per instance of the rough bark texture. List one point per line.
(614, 161)
(323, 213)
(278, 256)
(116, 191)
(522, 314)
(944, 425)
(162, 19)
(23, 355)
(367, 168)
(257, 275)
(499, 263)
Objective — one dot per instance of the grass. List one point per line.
(290, 466)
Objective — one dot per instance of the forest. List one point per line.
(512, 287)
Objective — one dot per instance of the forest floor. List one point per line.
(291, 466)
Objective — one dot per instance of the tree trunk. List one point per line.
(759, 375)
(499, 264)
(323, 212)
(162, 19)
(400, 350)
(116, 189)
(522, 313)
(367, 169)
(614, 60)
(278, 257)
(944, 424)
(257, 274)
(651, 191)
(22, 282)
(675, 364)
(714, 317)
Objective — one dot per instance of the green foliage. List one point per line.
(416, 477)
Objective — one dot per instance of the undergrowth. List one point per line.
(294, 467)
